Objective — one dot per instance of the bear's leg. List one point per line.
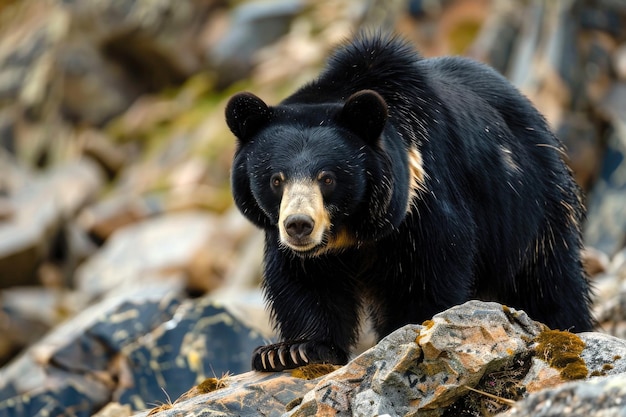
(315, 309)
(553, 288)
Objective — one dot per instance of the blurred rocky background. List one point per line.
(126, 273)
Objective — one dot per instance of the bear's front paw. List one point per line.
(289, 355)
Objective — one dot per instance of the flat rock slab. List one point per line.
(251, 394)
(135, 351)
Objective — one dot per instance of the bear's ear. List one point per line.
(246, 114)
(365, 113)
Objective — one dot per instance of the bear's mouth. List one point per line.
(305, 249)
(337, 241)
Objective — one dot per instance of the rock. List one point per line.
(496, 39)
(425, 368)
(580, 136)
(469, 360)
(135, 348)
(610, 307)
(598, 355)
(39, 210)
(108, 215)
(110, 50)
(201, 340)
(416, 368)
(139, 252)
(598, 397)
(603, 354)
(70, 367)
(99, 147)
(27, 313)
(250, 394)
(191, 243)
(27, 60)
(114, 410)
(254, 25)
(619, 62)
(606, 225)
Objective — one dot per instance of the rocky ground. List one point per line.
(128, 281)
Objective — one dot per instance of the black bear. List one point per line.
(394, 187)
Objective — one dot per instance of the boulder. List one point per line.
(137, 348)
(39, 211)
(469, 360)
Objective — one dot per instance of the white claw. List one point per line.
(270, 356)
(293, 351)
(302, 354)
(281, 356)
(263, 360)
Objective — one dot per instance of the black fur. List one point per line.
(497, 217)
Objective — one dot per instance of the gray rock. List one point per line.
(39, 210)
(606, 225)
(139, 252)
(72, 367)
(254, 25)
(201, 340)
(136, 348)
(419, 368)
(603, 354)
(598, 397)
(426, 370)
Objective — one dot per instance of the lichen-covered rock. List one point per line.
(473, 358)
(247, 395)
(201, 340)
(70, 367)
(425, 368)
(135, 348)
(561, 357)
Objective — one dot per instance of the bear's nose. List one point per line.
(299, 225)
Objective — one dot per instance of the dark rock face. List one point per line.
(136, 350)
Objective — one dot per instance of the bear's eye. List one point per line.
(276, 181)
(327, 180)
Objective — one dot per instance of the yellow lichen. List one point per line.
(561, 350)
(428, 324)
(313, 371)
(212, 384)
(607, 367)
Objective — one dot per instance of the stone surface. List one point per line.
(425, 368)
(610, 309)
(606, 227)
(39, 211)
(69, 367)
(167, 246)
(454, 364)
(598, 397)
(201, 340)
(137, 348)
(254, 25)
(250, 394)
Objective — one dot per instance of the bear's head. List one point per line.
(317, 172)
